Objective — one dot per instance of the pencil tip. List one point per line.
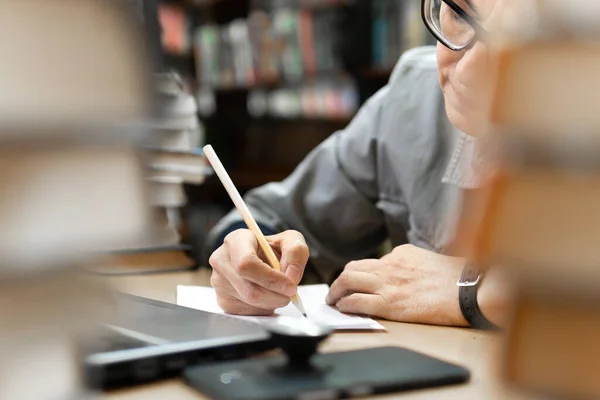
(298, 303)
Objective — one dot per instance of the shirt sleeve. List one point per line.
(330, 197)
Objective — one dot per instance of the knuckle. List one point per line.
(300, 249)
(400, 252)
(246, 264)
(351, 266)
(404, 248)
(229, 239)
(296, 239)
(344, 279)
(215, 258)
(295, 233)
(233, 237)
(407, 254)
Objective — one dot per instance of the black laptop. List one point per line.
(155, 340)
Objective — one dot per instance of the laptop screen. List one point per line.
(143, 323)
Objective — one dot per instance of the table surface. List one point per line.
(477, 351)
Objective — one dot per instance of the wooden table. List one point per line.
(477, 351)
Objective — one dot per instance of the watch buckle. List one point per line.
(469, 283)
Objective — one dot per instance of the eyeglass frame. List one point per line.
(480, 31)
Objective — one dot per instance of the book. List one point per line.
(242, 53)
(175, 35)
(265, 46)
(307, 41)
(286, 26)
(206, 42)
(85, 85)
(380, 26)
(176, 140)
(520, 107)
(552, 346)
(538, 218)
(166, 191)
(190, 166)
(65, 201)
(147, 260)
(533, 210)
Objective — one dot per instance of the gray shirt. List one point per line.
(392, 173)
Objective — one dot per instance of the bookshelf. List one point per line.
(274, 78)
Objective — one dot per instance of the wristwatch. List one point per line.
(468, 285)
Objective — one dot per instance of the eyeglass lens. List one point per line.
(450, 25)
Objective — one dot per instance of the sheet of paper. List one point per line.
(313, 298)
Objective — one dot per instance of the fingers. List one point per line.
(231, 305)
(352, 282)
(245, 263)
(240, 274)
(366, 265)
(221, 285)
(366, 304)
(294, 254)
(228, 284)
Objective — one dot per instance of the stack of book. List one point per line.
(172, 158)
(72, 181)
(537, 218)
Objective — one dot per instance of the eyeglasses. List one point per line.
(451, 25)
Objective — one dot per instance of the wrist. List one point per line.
(494, 296)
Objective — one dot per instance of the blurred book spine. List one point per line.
(283, 45)
(175, 29)
(396, 28)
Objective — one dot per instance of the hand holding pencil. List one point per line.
(248, 276)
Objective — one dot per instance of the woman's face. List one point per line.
(465, 75)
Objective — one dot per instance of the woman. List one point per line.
(393, 173)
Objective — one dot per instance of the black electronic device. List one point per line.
(303, 375)
(152, 340)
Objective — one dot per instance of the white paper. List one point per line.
(313, 297)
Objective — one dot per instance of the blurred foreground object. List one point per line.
(539, 215)
(75, 97)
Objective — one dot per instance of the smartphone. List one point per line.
(330, 376)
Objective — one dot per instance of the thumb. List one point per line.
(294, 254)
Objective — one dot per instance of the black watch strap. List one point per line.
(468, 285)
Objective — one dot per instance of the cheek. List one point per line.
(446, 61)
(467, 116)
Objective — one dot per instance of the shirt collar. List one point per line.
(468, 165)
